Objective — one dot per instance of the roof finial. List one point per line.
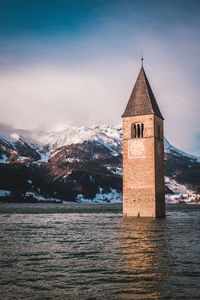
(141, 53)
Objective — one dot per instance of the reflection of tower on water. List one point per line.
(144, 258)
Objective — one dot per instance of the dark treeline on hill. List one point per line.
(16, 179)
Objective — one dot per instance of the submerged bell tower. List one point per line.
(143, 153)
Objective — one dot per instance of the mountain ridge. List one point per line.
(75, 161)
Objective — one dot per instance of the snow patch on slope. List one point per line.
(44, 156)
(181, 193)
(115, 170)
(3, 159)
(41, 198)
(112, 197)
(4, 193)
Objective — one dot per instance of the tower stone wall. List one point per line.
(159, 167)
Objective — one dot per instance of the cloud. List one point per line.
(49, 95)
(97, 92)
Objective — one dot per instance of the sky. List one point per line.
(75, 63)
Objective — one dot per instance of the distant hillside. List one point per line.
(76, 164)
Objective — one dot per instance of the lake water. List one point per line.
(53, 251)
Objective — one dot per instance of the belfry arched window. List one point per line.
(142, 130)
(137, 130)
(133, 130)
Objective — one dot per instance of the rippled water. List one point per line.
(91, 252)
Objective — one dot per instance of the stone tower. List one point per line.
(143, 153)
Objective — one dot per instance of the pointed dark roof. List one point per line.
(142, 100)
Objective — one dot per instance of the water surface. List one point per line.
(53, 251)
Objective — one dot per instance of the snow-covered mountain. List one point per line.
(84, 163)
(109, 136)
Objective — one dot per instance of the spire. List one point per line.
(142, 58)
(142, 100)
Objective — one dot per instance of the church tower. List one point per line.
(143, 153)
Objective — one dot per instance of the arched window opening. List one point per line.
(138, 130)
(142, 130)
(133, 131)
